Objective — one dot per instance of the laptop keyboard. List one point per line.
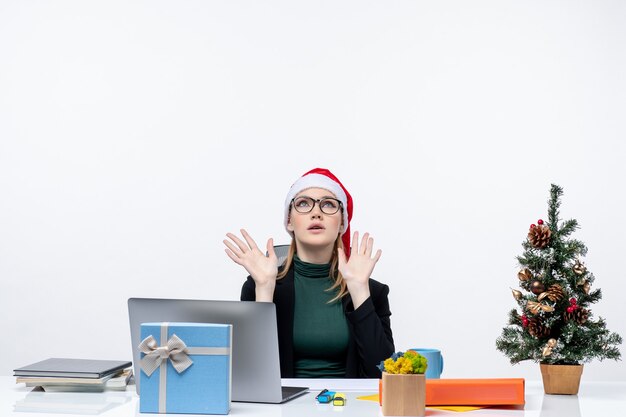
(290, 391)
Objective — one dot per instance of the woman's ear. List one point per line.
(289, 225)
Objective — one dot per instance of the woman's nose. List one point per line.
(317, 211)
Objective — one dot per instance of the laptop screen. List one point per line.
(256, 366)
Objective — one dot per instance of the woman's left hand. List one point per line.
(357, 270)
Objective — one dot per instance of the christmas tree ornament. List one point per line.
(539, 236)
(536, 328)
(535, 307)
(537, 287)
(579, 315)
(516, 294)
(579, 268)
(555, 293)
(524, 320)
(572, 305)
(539, 222)
(547, 349)
(586, 287)
(524, 274)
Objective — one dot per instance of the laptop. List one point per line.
(256, 364)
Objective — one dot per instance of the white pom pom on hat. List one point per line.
(323, 178)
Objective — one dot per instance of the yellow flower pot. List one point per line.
(404, 394)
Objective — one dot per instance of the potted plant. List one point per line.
(404, 384)
(553, 324)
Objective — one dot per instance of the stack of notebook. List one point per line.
(75, 375)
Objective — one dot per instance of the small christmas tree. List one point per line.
(556, 325)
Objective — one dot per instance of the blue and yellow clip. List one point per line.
(325, 396)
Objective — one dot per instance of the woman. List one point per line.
(333, 319)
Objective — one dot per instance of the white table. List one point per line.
(595, 399)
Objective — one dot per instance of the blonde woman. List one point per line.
(333, 319)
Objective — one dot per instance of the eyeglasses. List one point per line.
(306, 204)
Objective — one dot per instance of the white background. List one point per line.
(135, 134)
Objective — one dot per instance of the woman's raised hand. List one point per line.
(357, 270)
(263, 269)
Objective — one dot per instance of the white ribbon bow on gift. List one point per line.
(175, 350)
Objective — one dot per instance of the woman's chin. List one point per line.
(316, 239)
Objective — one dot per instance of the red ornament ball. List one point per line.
(572, 301)
(540, 222)
(570, 309)
(533, 225)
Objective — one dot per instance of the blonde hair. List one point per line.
(339, 283)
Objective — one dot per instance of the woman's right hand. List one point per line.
(263, 269)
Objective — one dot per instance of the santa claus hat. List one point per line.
(323, 178)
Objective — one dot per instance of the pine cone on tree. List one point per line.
(539, 236)
(579, 315)
(537, 329)
(555, 293)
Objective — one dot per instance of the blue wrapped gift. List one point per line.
(185, 368)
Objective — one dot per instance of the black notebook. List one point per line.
(72, 368)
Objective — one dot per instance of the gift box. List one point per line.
(487, 391)
(185, 368)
